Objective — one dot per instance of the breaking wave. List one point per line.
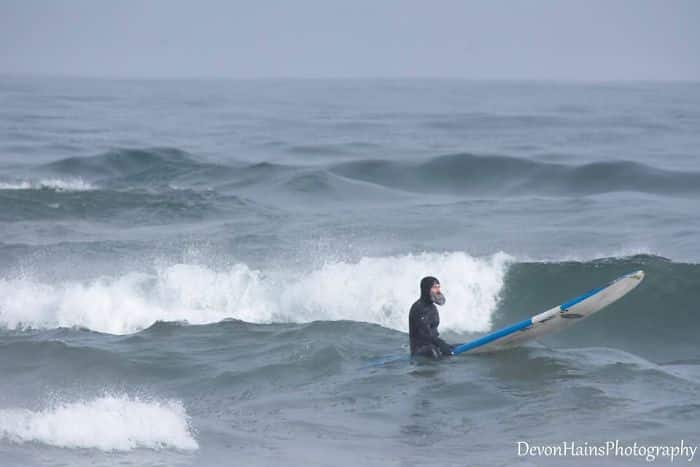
(107, 423)
(376, 290)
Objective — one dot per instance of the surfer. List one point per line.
(424, 319)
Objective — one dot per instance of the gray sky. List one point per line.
(519, 39)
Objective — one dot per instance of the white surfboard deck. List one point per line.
(554, 319)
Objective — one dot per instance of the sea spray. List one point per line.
(376, 290)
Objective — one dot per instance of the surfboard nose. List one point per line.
(639, 275)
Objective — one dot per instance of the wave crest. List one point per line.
(376, 290)
(120, 162)
(502, 175)
(57, 184)
(107, 423)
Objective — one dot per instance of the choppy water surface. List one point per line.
(199, 272)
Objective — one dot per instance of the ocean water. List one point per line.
(199, 272)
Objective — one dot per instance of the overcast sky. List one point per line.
(519, 39)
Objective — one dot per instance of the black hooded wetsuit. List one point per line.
(423, 321)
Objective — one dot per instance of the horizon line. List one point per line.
(132, 77)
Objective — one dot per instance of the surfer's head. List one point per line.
(430, 290)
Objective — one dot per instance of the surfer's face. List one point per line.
(436, 295)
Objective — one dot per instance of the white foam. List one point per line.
(73, 184)
(108, 423)
(381, 290)
(376, 290)
(21, 185)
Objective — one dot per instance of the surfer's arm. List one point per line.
(445, 348)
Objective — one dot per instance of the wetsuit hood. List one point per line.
(425, 285)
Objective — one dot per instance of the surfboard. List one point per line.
(554, 319)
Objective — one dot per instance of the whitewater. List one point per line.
(199, 295)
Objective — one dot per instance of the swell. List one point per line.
(154, 168)
(475, 174)
(123, 162)
(465, 174)
(230, 358)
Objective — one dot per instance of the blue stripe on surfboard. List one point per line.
(492, 337)
(526, 323)
(566, 305)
